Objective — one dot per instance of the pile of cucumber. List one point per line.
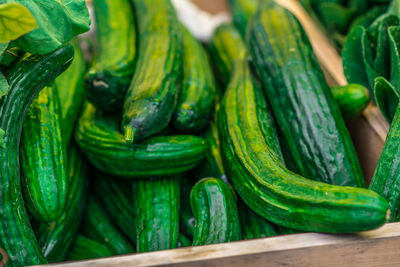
(165, 142)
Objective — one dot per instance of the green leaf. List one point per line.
(3, 48)
(386, 97)
(394, 37)
(59, 21)
(15, 21)
(3, 85)
(2, 138)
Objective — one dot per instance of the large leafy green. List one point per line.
(3, 85)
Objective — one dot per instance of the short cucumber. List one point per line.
(152, 96)
(215, 211)
(26, 78)
(99, 227)
(43, 158)
(156, 205)
(84, 248)
(100, 140)
(352, 99)
(109, 78)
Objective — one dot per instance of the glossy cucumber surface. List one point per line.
(352, 99)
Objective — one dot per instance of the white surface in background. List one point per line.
(199, 22)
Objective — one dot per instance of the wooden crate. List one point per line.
(373, 248)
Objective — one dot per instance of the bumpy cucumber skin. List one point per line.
(352, 99)
(98, 226)
(304, 108)
(268, 188)
(85, 248)
(26, 78)
(56, 238)
(106, 149)
(216, 213)
(197, 96)
(242, 10)
(43, 158)
(70, 91)
(156, 203)
(109, 78)
(152, 96)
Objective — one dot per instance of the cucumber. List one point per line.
(215, 211)
(156, 205)
(183, 241)
(186, 219)
(303, 105)
(100, 140)
(352, 99)
(43, 158)
(98, 227)
(115, 197)
(197, 97)
(259, 176)
(55, 238)
(71, 93)
(26, 78)
(152, 96)
(85, 248)
(107, 81)
(242, 10)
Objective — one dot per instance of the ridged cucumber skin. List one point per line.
(386, 180)
(186, 220)
(98, 227)
(352, 99)
(84, 248)
(303, 105)
(104, 146)
(152, 96)
(115, 197)
(225, 47)
(253, 225)
(26, 78)
(156, 206)
(70, 91)
(107, 81)
(215, 212)
(242, 10)
(268, 188)
(198, 90)
(43, 158)
(55, 238)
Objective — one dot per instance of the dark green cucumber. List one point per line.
(43, 158)
(183, 241)
(267, 187)
(71, 93)
(85, 248)
(152, 96)
(98, 226)
(156, 205)
(215, 211)
(242, 10)
(253, 225)
(307, 114)
(197, 97)
(115, 196)
(26, 78)
(109, 78)
(186, 223)
(352, 99)
(99, 138)
(56, 238)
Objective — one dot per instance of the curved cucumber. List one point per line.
(43, 158)
(215, 211)
(267, 187)
(85, 248)
(109, 78)
(100, 140)
(156, 203)
(152, 96)
(26, 78)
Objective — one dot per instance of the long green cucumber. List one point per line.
(56, 238)
(242, 10)
(267, 187)
(307, 114)
(104, 146)
(43, 158)
(352, 99)
(156, 205)
(99, 227)
(116, 199)
(85, 248)
(109, 78)
(26, 78)
(70, 91)
(152, 96)
(215, 211)
(197, 97)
